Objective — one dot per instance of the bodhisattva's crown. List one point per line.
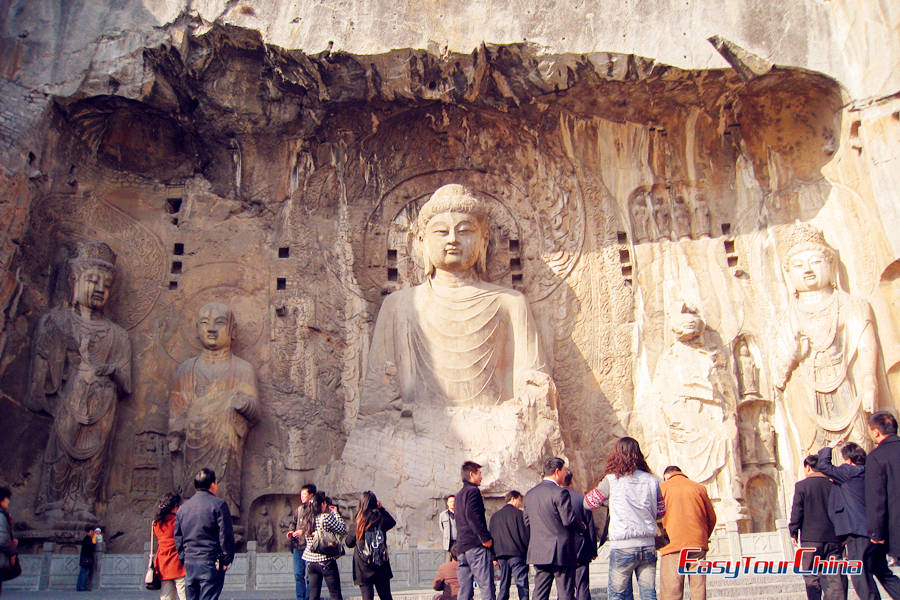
(799, 237)
(95, 252)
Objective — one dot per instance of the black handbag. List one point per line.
(152, 579)
(325, 542)
(13, 570)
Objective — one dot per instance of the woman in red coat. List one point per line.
(171, 570)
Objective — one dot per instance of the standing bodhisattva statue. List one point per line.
(212, 405)
(81, 366)
(828, 367)
(455, 372)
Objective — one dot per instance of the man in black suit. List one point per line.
(510, 546)
(552, 522)
(585, 541)
(811, 527)
(473, 539)
(882, 498)
(204, 539)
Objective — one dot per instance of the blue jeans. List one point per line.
(203, 581)
(625, 561)
(512, 568)
(478, 564)
(84, 578)
(300, 575)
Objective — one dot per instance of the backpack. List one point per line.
(373, 548)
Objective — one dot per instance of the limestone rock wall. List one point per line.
(265, 155)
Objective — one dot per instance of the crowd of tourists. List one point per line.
(850, 511)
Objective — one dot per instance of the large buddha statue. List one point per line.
(455, 372)
(212, 404)
(81, 366)
(828, 363)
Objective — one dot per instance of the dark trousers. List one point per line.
(380, 584)
(84, 578)
(582, 582)
(476, 564)
(512, 568)
(202, 581)
(328, 571)
(299, 575)
(878, 566)
(823, 587)
(565, 581)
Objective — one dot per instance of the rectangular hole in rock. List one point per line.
(517, 278)
(174, 220)
(393, 274)
(624, 256)
(628, 283)
(392, 255)
(732, 261)
(729, 246)
(173, 205)
(176, 267)
(515, 264)
(284, 252)
(626, 271)
(726, 228)
(173, 285)
(280, 283)
(178, 249)
(513, 245)
(622, 237)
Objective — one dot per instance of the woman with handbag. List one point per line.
(9, 558)
(323, 547)
(171, 571)
(371, 566)
(635, 505)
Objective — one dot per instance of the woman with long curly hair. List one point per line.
(171, 571)
(635, 504)
(371, 567)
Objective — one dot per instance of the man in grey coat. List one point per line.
(553, 523)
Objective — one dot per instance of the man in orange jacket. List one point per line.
(689, 521)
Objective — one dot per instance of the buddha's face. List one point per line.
(810, 270)
(214, 327)
(687, 326)
(454, 241)
(93, 286)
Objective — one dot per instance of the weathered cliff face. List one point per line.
(224, 156)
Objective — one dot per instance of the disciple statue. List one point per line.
(693, 421)
(748, 372)
(701, 220)
(829, 360)
(81, 367)
(212, 405)
(641, 214)
(455, 373)
(661, 215)
(682, 218)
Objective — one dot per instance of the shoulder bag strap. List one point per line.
(152, 553)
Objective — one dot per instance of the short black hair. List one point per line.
(884, 422)
(453, 552)
(671, 469)
(512, 495)
(854, 453)
(310, 488)
(468, 468)
(446, 498)
(553, 464)
(204, 479)
(5, 493)
(567, 481)
(811, 461)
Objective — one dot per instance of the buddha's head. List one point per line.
(216, 326)
(454, 230)
(92, 273)
(808, 260)
(687, 323)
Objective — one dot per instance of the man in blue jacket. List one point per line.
(204, 539)
(473, 541)
(847, 509)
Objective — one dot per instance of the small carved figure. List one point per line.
(766, 450)
(265, 533)
(661, 215)
(701, 220)
(748, 372)
(81, 367)
(682, 218)
(641, 218)
(828, 362)
(747, 428)
(212, 404)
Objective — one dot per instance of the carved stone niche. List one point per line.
(761, 497)
(268, 519)
(757, 434)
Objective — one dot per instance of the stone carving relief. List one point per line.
(761, 494)
(213, 403)
(455, 372)
(748, 372)
(269, 518)
(664, 212)
(81, 368)
(827, 364)
(693, 393)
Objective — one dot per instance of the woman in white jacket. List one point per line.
(635, 504)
